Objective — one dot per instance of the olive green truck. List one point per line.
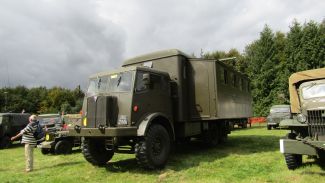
(307, 127)
(157, 99)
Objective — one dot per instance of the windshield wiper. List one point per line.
(119, 81)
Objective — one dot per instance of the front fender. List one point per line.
(146, 122)
(291, 123)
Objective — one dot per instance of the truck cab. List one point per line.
(307, 127)
(118, 107)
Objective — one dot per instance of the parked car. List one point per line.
(10, 125)
(277, 114)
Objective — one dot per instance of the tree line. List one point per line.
(267, 61)
(273, 57)
(41, 100)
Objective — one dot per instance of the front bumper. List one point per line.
(107, 132)
(288, 146)
(46, 145)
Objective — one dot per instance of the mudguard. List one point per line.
(144, 124)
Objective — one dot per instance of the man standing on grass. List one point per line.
(29, 141)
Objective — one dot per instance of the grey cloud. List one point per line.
(210, 25)
(56, 43)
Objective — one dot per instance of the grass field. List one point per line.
(250, 155)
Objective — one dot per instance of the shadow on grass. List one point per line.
(194, 153)
(13, 145)
(63, 164)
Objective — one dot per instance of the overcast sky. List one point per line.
(61, 42)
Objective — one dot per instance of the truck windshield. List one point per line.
(280, 110)
(120, 82)
(313, 91)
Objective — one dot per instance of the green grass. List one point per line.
(250, 155)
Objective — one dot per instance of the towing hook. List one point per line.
(77, 128)
(101, 128)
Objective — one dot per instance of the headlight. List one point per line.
(301, 118)
(47, 137)
(85, 121)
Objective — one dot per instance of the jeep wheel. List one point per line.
(5, 142)
(45, 151)
(153, 150)
(63, 147)
(293, 161)
(269, 127)
(95, 151)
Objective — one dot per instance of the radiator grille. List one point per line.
(102, 110)
(316, 122)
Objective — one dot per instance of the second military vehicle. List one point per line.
(10, 125)
(277, 113)
(156, 99)
(307, 100)
(56, 139)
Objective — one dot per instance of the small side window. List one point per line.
(248, 86)
(139, 84)
(235, 81)
(223, 76)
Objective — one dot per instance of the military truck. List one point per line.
(307, 127)
(56, 139)
(157, 99)
(10, 125)
(277, 114)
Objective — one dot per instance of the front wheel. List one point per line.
(293, 161)
(153, 150)
(95, 151)
(45, 151)
(63, 147)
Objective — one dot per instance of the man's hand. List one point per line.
(13, 138)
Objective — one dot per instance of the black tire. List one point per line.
(245, 124)
(153, 150)
(5, 142)
(63, 147)
(291, 136)
(293, 161)
(45, 151)
(95, 151)
(269, 127)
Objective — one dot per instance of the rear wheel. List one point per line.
(5, 142)
(245, 124)
(293, 161)
(153, 150)
(211, 137)
(63, 147)
(95, 151)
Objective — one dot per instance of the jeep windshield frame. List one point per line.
(313, 90)
(118, 82)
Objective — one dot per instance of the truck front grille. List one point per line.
(316, 122)
(101, 110)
